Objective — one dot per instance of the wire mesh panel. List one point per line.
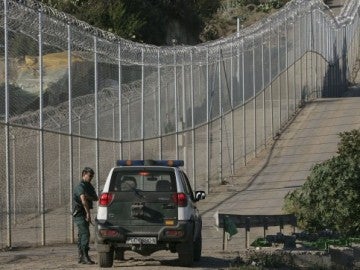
(291, 84)
(214, 90)
(187, 154)
(23, 86)
(86, 157)
(258, 57)
(201, 86)
(227, 150)
(268, 128)
(151, 149)
(215, 145)
(167, 100)
(248, 73)
(225, 86)
(187, 103)
(237, 76)
(250, 131)
(238, 140)
(151, 100)
(57, 182)
(201, 166)
(108, 155)
(283, 98)
(276, 103)
(25, 197)
(260, 139)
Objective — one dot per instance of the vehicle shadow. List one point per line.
(205, 262)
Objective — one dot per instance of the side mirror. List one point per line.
(200, 195)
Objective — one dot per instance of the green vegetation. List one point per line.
(330, 198)
(261, 242)
(142, 20)
(164, 22)
(323, 243)
(264, 260)
(267, 6)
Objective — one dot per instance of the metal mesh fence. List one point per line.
(74, 96)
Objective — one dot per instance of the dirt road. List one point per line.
(64, 257)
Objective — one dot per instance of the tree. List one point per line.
(330, 197)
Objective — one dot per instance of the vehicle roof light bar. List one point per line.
(138, 162)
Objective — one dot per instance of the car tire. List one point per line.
(197, 248)
(186, 254)
(106, 259)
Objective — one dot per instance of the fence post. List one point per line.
(96, 90)
(41, 142)
(176, 116)
(281, 222)
(247, 232)
(120, 103)
(243, 98)
(71, 165)
(7, 132)
(192, 120)
(224, 244)
(142, 103)
(207, 124)
(265, 221)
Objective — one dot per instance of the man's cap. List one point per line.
(88, 170)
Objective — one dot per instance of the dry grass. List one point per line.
(50, 61)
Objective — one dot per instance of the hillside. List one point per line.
(224, 21)
(164, 22)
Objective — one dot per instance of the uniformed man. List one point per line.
(84, 195)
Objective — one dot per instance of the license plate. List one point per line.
(141, 240)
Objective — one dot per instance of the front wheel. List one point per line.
(106, 259)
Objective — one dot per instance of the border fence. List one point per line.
(73, 96)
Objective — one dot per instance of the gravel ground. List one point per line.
(65, 257)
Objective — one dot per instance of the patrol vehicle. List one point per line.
(147, 206)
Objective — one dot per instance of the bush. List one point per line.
(330, 198)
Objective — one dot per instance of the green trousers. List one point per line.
(83, 233)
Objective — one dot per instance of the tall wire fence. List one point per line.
(74, 96)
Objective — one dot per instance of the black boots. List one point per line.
(84, 257)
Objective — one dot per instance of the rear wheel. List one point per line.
(186, 254)
(197, 248)
(106, 259)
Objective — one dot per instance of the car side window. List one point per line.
(187, 186)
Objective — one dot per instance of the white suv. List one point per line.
(147, 206)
